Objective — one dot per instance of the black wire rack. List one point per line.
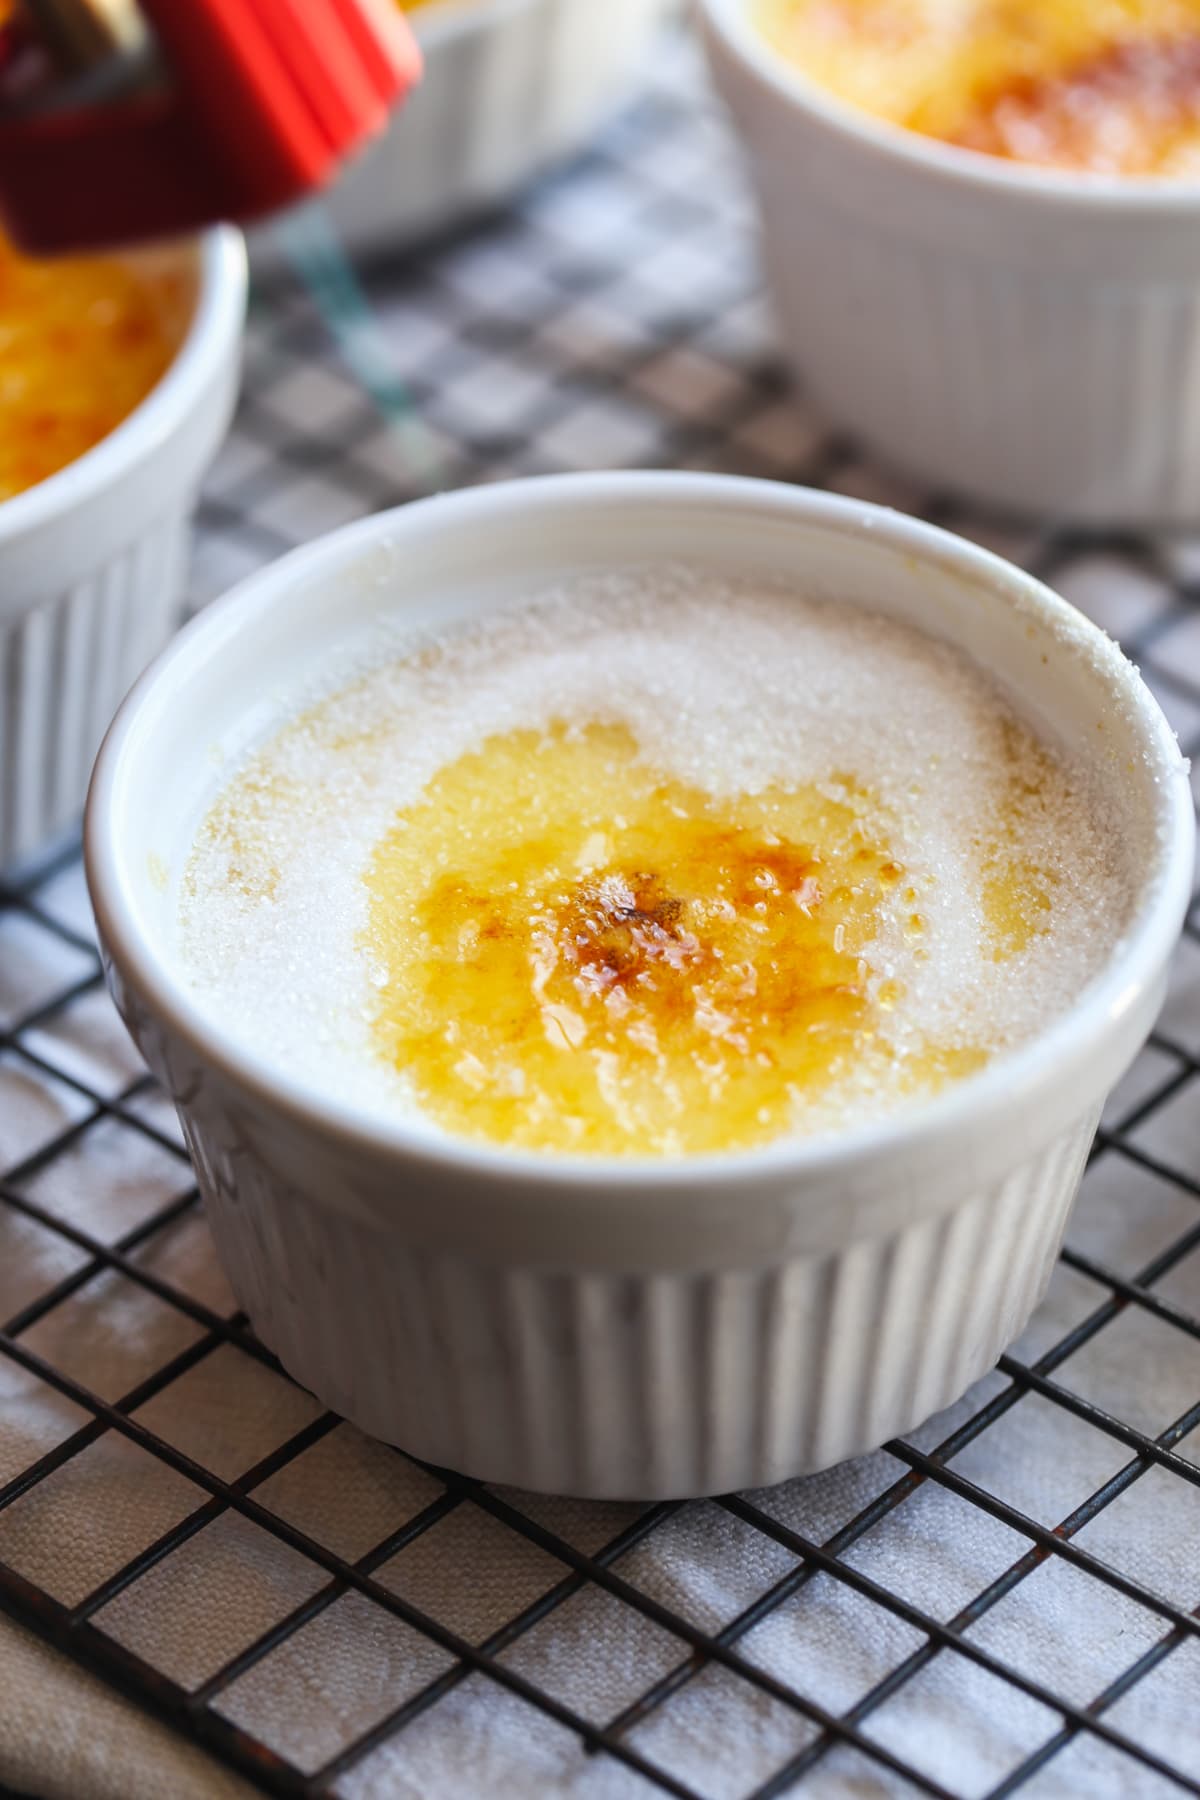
(614, 317)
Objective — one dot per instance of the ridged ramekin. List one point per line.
(91, 562)
(1027, 337)
(509, 87)
(603, 1327)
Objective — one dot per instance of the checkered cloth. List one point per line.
(1002, 1602)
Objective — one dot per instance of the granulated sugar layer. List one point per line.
(312, 923)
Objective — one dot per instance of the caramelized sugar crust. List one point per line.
(1132, 109)
(575, 952)
(82, 342)
(1104, 86)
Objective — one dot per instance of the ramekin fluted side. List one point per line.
(1028, 338)
(1035, 390)
(619, 1384)
(65, 667)
(92, 560)
(509, 87)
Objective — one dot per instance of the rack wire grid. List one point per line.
(613, 319)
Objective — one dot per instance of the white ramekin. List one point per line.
(600, 1327)
(91, 562)
(1026, 337)
(509, 87)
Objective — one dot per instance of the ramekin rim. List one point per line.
(214, 326)
(730, 23)
(1140, 956)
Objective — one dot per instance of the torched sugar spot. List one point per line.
(651, 865)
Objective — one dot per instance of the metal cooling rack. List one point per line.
(612, 320)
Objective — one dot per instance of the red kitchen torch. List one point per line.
(129, 119)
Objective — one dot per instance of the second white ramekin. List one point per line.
(91, 562)
(1026, 337)
(509, 87)
(602, 1327)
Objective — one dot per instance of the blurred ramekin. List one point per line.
(1028, 337)
(509, 87)
(91, 561)
(602, 1327)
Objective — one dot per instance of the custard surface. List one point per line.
(650, 874)
(1106, 87)
(82, 342)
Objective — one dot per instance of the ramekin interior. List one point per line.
(219, 261)
(234, 673)
(733, 24)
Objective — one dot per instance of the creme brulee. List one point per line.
(1103, 86)
(651, 867)
(82, 342)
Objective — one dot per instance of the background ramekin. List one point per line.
(1027, 337)
(509, 87)
(638, 1328)
(91, 562)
